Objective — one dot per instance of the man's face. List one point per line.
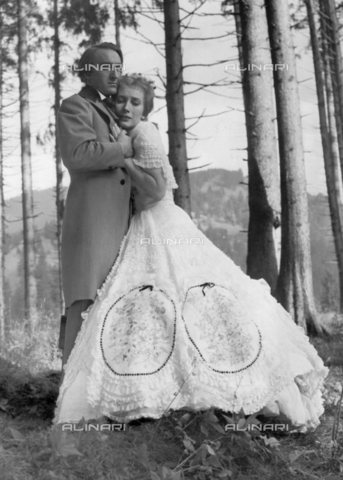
(104, 71)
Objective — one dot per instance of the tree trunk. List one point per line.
(30, 288)
(59, 170)
(264, 185)
(330, 32)
(175, 103)
(327, 129)
(117, 22)
(2, 212)
(295, 285)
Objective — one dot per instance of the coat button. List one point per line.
(122, 182)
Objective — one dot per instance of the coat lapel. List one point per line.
(92, 96)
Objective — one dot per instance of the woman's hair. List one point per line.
(147, 86)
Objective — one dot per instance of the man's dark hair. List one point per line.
(88, 55)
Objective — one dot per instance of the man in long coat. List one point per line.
(97, 209)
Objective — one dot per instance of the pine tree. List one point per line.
(175, 103)
(295, 284)
(333, 180)
(58, 160)
(27, 194)
(263, 168)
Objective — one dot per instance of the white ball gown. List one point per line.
(177, 325)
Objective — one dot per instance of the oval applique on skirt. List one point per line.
(138, 330)
(225, 337)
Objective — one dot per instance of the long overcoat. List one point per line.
(97, 208)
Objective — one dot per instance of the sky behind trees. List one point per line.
(218, 140)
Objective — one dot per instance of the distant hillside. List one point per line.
(44, 204)
(219, 208)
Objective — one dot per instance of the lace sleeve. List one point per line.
(147, 146)
(149, 151)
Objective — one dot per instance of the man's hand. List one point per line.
(125, 141)
(143, 202)
(150, 181)
(79, 142)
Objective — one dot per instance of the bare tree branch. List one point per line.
(200, 166)
(225, 35)
(214, 93)
(209, 14)
(197, 120)
(218, 62)
(203, 115)
(204, 86)
(208, 115)
(160, 77)
(149, 42)
(305, 80)
(153, 18)
(192, 12)
(160, 108)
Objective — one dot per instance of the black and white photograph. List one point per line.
(171, 230)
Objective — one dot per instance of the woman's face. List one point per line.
(129, 106)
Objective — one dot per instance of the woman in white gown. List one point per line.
(176, 324)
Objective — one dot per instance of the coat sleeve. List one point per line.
(79, 146)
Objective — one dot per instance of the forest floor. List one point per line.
(179, 446)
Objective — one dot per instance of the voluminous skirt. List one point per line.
(177, 325)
